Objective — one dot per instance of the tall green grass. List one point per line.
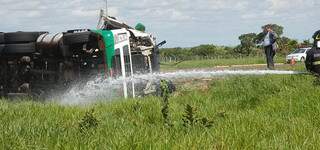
(209, 63)
(248, 112)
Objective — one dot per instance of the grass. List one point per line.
(248, 112)
(217, 62)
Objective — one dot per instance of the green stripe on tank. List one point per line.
(108, 40)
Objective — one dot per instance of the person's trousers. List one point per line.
(269, 55)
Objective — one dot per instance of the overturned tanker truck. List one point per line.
(37, 63)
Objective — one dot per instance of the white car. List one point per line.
(298, 55)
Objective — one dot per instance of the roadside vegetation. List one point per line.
(211, 63)
(249, 51)
(238, 112)
(249, 47)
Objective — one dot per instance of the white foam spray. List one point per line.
(108, 89)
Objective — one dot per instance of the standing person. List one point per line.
(269, 43)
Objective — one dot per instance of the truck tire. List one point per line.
(21, 37)
(25, 48)
(1, 37)
(76, 38)
(1, 48)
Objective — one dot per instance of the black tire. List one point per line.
(1, 37)
(76, 38)
(21, 37)
(26, 48)
(1, 48)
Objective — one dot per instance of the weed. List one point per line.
(136, 107)
(89, 121)
(190, 118)
(316, 81)
(165, 95)
(250, 103)
(206, 122)
(221, 114)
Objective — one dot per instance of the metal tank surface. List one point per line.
(49, 44)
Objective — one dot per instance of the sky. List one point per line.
(183, 23)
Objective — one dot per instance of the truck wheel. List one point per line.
(1, 37)
(20, 48)
(21, 37)
(1, 48)
(76, 38)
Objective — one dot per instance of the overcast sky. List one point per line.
(181, 22)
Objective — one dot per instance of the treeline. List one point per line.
(208, 50)
(249, 46)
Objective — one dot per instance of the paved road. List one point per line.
(250, 66)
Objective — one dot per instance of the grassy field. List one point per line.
(247, 112)
(217, 62)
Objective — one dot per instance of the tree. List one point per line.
(259, 38)
(292, 44)
(286, 45)
(204, 50)
(278, 29)
(306, 43)
(178, 52)
(247, 43)
(248, 39)
(283, 44)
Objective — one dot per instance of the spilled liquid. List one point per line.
(100, 89)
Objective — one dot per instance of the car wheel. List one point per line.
(20, 48)
(302, 59)
(21, 37)
(1, 37)
(76, 38)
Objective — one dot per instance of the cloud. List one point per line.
(183, 22)
(285, 5)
